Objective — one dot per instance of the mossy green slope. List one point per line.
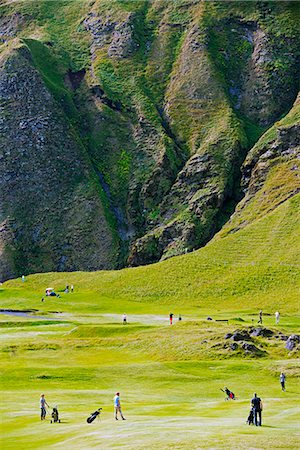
(50, 198)
(257, 265)
(270, 171)
(163, 97)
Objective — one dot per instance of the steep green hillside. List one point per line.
(165, 98)
(51, 210)
(271, 171)
(256, 267)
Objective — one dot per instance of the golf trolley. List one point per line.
(54, 416)
(93, 415)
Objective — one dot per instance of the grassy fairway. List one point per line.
(170, 386)
(75, 350)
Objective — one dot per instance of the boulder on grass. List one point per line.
(251, 349)
(260, 331)
(292, 342)
(241, 335)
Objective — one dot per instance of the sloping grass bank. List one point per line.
(256, 267)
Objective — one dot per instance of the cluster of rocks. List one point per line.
(118, 36)
(239, 340)
(293, 342)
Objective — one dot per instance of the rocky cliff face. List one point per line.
(51, 214)
(125, 126)
(271, 172)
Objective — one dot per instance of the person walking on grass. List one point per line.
(117, 406)
(256, 404)
(171, 318)
(43, 405)
(277, 317)
(282, 381)
(260, 320)
(124, 319)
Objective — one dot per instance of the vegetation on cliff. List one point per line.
(164, 101)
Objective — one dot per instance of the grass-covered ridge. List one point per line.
(250, 264)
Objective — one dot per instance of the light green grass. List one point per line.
(169, 377)
(168, 404)
(256, 267)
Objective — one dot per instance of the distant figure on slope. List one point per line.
(23, 278)
(43, 405)
(179, 318)
(67, 289)
(72, 288)
(282, 381)
(256, 404)
(117, 405)
(171, 318)
(260, 320)
(124, 319)
(277, 317)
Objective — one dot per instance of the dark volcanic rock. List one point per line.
(228, 335)
(263, 98)
(241, 335)
(259, 331)
(233, 346)
(10, 25)
(292, 342)
(122, 44)
(51, 213)
(116, 35)
(251, 348)
(74, 79)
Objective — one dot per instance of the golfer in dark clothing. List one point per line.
(282, 381)
(256, 404)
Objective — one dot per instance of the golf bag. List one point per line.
(250, 419)
(54, 416)
(230, 394)
(93, 416)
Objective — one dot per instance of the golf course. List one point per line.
(75, 349)
(149, 225)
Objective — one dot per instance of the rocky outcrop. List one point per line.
(116, 35)
(238, 335)
(280, 141)
(188, 214)
(293, 342)
(271, 171)
(168, 99)
(51, 214)
(259, 331)
(10, 25)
